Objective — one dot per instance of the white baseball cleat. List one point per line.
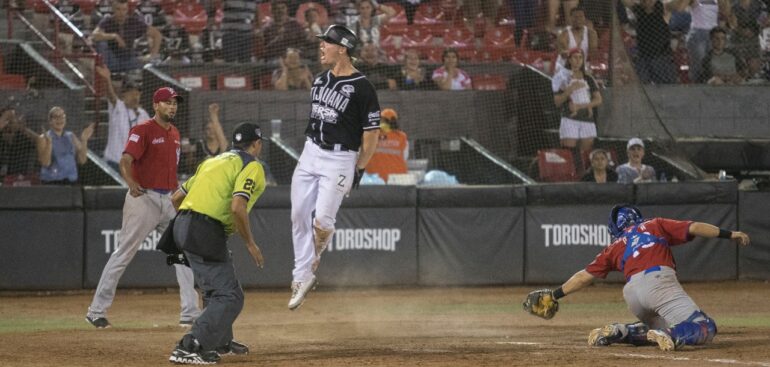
(664, 340)
(298, 292)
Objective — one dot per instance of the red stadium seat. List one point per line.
(234, 82)
(428, 13)
(556, 165)
(13, 81)
(266, 82)
(21, 180)
(492, 54)
(323, 15)
(458, 37)
(417, 36)
(400, 18)
(488, 82)
(192, 17)
(194, 81)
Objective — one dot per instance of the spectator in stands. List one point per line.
(283, 32)
(635, 171)
(600, 171)
(345, 12)
(720, 66)
(212, 144)
(124, 113)
(17, 143)
(382, 76)
(292, 75)
(705, 17)
(413, 75)
(745, 36)
(367, 27)
(524, 12)
(115, 36)
(449, 76)
(238, 30)
(553, 13)
(313, 27)
(654, 62)
(59, 151)
(392, 147)
(754, 73)
(578, 96)
(71, 11)
(577, 35)
(486, 9)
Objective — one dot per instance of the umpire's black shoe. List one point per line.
(233, 348)
(189, 351)
(98, 322)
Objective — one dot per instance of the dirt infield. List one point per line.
(381, 327)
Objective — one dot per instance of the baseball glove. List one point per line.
(541, 303)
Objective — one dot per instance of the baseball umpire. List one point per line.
(641, 249)
(344, 118)
(212, 204)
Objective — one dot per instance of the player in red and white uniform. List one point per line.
(641, 249)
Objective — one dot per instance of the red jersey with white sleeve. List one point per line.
(156, 155)
(642, 247)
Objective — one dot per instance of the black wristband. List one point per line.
(558, 293)
(723, 233)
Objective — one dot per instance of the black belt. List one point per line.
(332, 147)
(200, 216)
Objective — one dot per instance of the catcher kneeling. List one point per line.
(641, 249)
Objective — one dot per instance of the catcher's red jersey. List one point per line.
(650, 246)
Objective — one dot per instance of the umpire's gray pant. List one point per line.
(140, 216)
(215, 274)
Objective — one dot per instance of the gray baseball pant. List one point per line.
(141, 215)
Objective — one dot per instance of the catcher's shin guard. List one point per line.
(698, 329)
(321, 238)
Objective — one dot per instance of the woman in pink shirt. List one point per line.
(449, 76)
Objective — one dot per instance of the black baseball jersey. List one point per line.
(342, 108)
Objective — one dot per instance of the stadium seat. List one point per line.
(491, 54)
(234, 82)
(458, 37)
(194, 81)
(499, 40)
(428, 13)
(13, 81)
(21, 180)
(556, 165)
(323, 15)
(192, 17)
(400, 18)
(488, 82)
(417, 36)
(266, 82)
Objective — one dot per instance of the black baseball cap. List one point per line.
(246, 132)
(340, 35)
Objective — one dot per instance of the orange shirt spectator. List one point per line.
(392, 148)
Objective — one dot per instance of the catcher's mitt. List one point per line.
(541, 303)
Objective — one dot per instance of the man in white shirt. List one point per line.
(124, 112)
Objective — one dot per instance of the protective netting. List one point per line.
(486, 91)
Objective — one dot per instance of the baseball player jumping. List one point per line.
(641, 249)
(344, 117)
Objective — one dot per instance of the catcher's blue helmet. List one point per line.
(621, 217)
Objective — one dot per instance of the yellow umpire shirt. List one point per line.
(217, 180)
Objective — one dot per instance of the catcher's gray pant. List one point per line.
(320, 182)
(657, 298)
(140, 216)
(215, 274)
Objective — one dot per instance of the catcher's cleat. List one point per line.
(298, 292)
(98, 322)
(664, 340)
(186, 323)
(604, 336)
(233, 348)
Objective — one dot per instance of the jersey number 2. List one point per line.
(341, 182)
